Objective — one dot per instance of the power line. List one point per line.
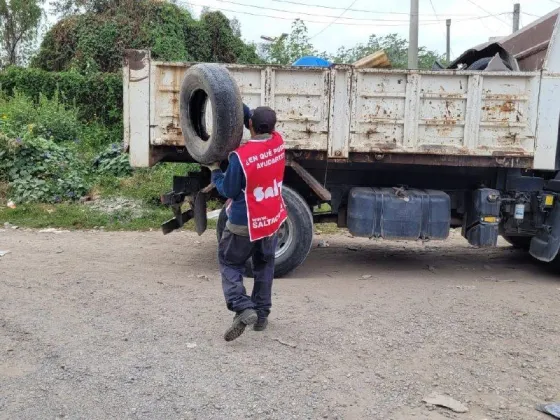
(435, 13)
(309, 14)
(434, 9)
(405, 23)
(297, 3)
(329, 16)
(437, 17)
(292, 19)
(486, 11)
(334, 20)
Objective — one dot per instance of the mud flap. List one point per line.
(546, 243)
(200, 216)
(177, 222)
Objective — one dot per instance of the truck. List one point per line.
(392, 154)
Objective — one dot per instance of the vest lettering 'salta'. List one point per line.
(263, 164)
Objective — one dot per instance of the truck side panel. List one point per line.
(301, 99)
(343, 111)
(443, 113)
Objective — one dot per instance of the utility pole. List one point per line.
(516, 13)
(448, 45)
(413, 36)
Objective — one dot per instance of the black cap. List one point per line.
(264, 120)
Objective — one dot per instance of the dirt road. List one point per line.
(100, 325)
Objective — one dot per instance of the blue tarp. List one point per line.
(310, 61)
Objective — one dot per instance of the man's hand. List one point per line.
(213, 166)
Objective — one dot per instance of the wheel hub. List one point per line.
(285, 237)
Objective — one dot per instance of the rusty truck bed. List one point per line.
(465, 118)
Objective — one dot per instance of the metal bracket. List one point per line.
(177, 222)
(315, 185)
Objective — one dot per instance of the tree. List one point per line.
(287, 49)
(19, 26)
(395, 47)
(95, 41)
(235, 27)
(222, 44)
(73, 7)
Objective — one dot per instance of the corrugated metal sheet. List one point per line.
(529, 45)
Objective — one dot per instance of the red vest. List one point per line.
(263, 165)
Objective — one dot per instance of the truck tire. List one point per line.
(295, 237)
(211, 82)
(521, 242)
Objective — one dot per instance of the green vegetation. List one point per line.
(76, 216)
(287, 49)
(19, 27)
(95, 41)
(49, 159)
(96, 97)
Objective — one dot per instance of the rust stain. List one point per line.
(172, 129)
(371, 131)
(507, 106)
(134, 59)
(453, 96)
(430, 156)
(444, 130)
(386, 147)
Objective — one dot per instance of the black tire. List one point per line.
(521, 242)
(299, 227)
(212, 82)
(482, 63)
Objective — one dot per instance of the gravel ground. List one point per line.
(97, 325)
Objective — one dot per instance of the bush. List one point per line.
(49, 118)
(112, 161)
(146, 184)
(95, 41)
(38, 169)
(95, 137)
(38, 150)
(97, 97)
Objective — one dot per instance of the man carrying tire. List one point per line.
(253, 185)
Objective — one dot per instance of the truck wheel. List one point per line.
(295, 237)
(521, 242)
(211, 82)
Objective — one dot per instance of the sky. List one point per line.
(472, 21)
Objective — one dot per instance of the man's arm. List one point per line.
(231, 183)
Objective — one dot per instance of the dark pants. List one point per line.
(233, 252)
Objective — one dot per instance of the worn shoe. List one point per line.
(261, 324)
(241, 320)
